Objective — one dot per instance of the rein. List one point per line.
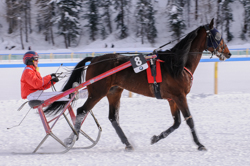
(210, 37)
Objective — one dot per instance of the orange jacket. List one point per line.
(32, 81)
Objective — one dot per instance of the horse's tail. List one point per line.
(77, 75)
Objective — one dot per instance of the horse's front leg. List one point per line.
(182, 104)
(177, 121)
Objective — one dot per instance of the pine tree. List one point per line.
(20, 18)
(145, 21)
(26, 10)
(106, 16)
(228, 18)
(68, 20)
(196, 9)
(45, 19)
(103, 32)
(188, 12)
(19, 14)
(246, 23)
(92, 17)
(12, 14)
(151, 29)
(122, 7)
(218, 18)
(141, 19)
(177, 24)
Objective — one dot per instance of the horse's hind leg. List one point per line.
(177, 121)
(82, 111)
(114, 96)
(81, 114)
(182, 104)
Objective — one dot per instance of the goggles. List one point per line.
(36, 58)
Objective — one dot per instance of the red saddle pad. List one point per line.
(158, 73)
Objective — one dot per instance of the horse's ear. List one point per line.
(211, 25)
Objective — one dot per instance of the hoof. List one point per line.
(154, 139)
(202, 148)
(129, 148)
(68, 141)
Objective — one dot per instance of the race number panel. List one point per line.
(139, 63)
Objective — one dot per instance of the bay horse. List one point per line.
(176, 82)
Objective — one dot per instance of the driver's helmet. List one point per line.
(29, 57)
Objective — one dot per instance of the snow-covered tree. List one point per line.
(228, 18)
(106, 17)
(246, 23)
(19, 14)
(26, 16)
(196, 9)
(12, 6)
(92, 17)
(151, 29)
(45, 19)
(176, 21)
(188, 12)
(122, 7)
(145, 21)
(68, 19)
(141, 19)
(218, 13)
(103, 32)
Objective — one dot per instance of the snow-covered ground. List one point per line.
(221, 122)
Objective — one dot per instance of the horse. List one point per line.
(179, 64)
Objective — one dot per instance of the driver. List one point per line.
(32, 84)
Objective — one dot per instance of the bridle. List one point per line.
(213, 40)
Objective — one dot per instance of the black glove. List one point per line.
(54, 78)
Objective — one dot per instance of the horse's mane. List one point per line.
(176, 58)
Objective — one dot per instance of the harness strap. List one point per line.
(189, 72)
(192, 78)
(156, 85)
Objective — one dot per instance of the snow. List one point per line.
(221, 122)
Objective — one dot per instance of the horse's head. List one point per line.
(215, 43)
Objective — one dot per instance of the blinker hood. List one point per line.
(215, 38)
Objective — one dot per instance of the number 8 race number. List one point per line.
(139, 63)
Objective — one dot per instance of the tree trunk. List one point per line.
(51, 34)
(122, 19)
(69, 41)
(245, 21)
(29, 16)
(196, 9)
(188, 7)
(26, 22)
(109, 22)
(142, 35)
(21, 34)
(65, 41)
